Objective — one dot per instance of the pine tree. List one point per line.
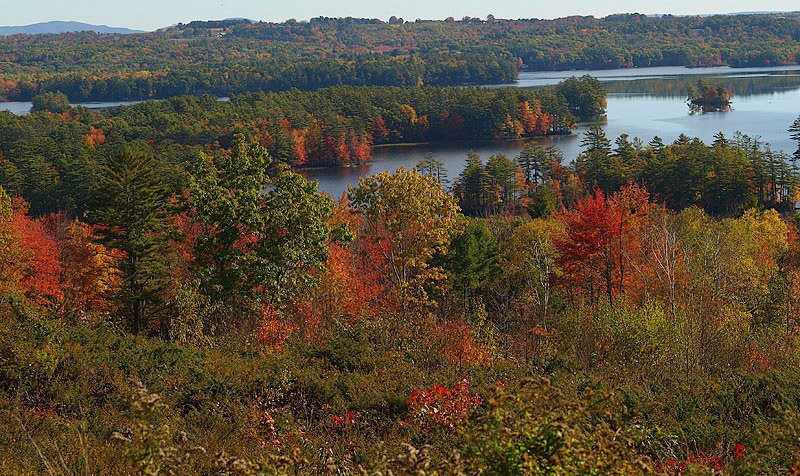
(795, 136)
(536, 161)
(472, 184)
(501, 172)
(594, 163)
(433, 168)
(656, 143)
(129, 204)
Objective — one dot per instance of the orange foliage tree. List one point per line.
(95, 137)
(598, 239)
(459, 345)
(29, 260)
(88, 275)
(349, 289)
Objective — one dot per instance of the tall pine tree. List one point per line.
(129, 203)
(794, 129)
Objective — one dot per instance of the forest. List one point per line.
(224, 58)
(532, 317)
(49, 156)
(177, 299)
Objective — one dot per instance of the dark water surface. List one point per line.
(642, 102)
(24, 107)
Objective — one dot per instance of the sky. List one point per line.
(154, 14)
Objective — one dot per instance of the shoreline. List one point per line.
(416, 144)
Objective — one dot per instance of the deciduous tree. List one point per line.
(261, 236)
(408, 217)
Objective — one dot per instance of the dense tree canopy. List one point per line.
(260, 234)
(224, 58)
(408, 218)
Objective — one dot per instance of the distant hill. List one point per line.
(61, 27)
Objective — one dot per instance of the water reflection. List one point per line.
(706, 108)
(739, 85)
(335, 180)
(642, 102)
(610, 76)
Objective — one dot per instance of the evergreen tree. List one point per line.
(472, 184)
(433, 168)
(656, 143)
(586, 96)
(471, 258)
(625, 149)
(129, 204)
(795, 136)
(56, 102)
(594, 163)
(536, 161)
(720, 140)
(501, 171)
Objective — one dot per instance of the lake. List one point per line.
(642, 102)
(24, 107)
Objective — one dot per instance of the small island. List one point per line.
(709, 97)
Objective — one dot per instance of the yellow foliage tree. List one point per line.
(407, 217)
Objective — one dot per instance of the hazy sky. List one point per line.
(153, 14)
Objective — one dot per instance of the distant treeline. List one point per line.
(50, 156)
(233, 57)
(271, 75)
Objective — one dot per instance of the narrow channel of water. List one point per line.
(24, 107)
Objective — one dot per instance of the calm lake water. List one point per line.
(642, 102)
(24, 107)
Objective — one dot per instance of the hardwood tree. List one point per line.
(29, 261)
(590, 249)
(408, 217)
(261, 236)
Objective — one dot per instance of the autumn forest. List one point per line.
(176, 298)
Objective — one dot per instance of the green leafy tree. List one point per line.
(262, 236)
(529, 261)
(472, 257)
(544, 202)
(56, 102)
